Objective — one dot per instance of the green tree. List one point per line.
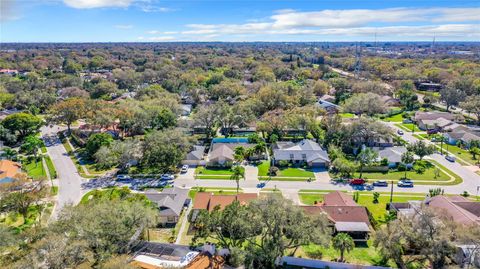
(421, 149)
(31, 145)
(22, 123)
(376, 195)
(9, 153)
(238, 173)
(163, 118)
(407, 158)
(472, 105)
(364, 103)
(96, 141)
(474, 151)
(67, 111)
(343, 243)
(164, 150)
(451, 96)
(366, 157)
(239, 154)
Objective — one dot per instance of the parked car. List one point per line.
(184, 169)
(369, 187)
(400, 132)
(123, 177)
(357, 181)
(432, 131)
(380, 183)
(167, 177)
(407, 121)
(450, 158)
(261, 185)
(405, 183)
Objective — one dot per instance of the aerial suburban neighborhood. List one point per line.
(269, 135)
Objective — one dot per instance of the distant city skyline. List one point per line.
(215, 20)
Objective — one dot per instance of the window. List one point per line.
(291, 156)
(304, 156)
(170, 219)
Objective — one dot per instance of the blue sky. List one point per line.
(237, 20)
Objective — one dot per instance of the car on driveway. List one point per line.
(400, 132)
(167, 177)
(405, 183)
(123, 177)
(450, 158)
(380, 183)
(184, 169)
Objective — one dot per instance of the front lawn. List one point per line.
(461, 153)
(395, 118)
(217, 191)
(427, 175)
(378, 211)
(285, 173)
(51, 167)
(408, 127)
(212, 171)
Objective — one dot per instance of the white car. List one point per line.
(184, 169)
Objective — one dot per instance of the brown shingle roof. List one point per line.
(458, 213)
(340, 213)
(337, 198)
(208, 201)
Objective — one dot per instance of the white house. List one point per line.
(305, 151)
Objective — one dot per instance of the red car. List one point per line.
(357, 181)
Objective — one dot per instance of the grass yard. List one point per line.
(212, 173)
(216, 191)
(34, 169)
(366, 255)
(54, 190)
(378, 211)
(394, 118)
(462, 153)
(285, 174)
(408, 127)
(51, 167)
(346, 115)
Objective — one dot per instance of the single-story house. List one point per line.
(222, 150)
(170, 202)
(208, 201)
(8, 171)
(429, 120)
(429, 86)
(345, 215)
(304, 263)
(462, 135)
(392, 154)
(195, 157)
(305, 151)
(459, 208)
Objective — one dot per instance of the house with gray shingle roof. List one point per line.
(170, 202)
(305, 151)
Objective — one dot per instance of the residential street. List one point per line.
(69, 181)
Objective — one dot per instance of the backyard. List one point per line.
(34, 169)
(285, 173)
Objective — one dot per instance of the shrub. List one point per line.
(401, 167)
(384, 162)
(273, 171)
(236, 257)
(465, 194)
(283, 163)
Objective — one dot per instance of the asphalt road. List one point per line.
(69, 181)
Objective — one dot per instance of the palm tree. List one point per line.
(239, 154)
(343, 243)
(9, 153)
(238, 172)
(407, 158)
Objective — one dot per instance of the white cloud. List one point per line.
(124, 26)
(150, 8)
(155, 32)
(403, 22)
(83, 4)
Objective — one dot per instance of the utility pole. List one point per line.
(358, 60)
(391, 193)
(433, 45)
